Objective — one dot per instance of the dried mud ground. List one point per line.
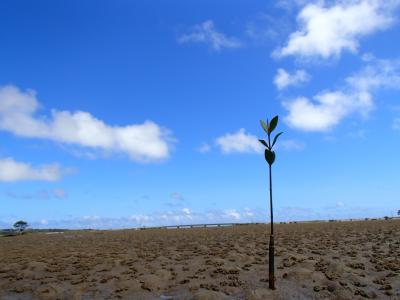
(334, 260)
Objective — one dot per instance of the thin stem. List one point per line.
(270, 199)
(271, 249)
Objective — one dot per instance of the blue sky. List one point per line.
(122, 114)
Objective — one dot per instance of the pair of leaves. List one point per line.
(269, 126)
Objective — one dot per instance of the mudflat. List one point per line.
(321, 260)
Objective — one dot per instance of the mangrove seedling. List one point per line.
(269, 154)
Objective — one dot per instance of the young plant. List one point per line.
(269, 154)
(20, 226)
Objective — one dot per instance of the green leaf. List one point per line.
(275, 138)
(272, 124)
(264, 143)
(269, 156)
(264, 126)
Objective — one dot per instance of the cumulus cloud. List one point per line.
(328, 108)
(239, 142)
(207, 34)
(141, 142)
(11, 170)
(326, 30)
(284, 79)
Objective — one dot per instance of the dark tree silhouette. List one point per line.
(270, 158)
(20, 226)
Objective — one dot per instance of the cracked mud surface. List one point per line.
(333, 260)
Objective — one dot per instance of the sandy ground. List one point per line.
(338, 260)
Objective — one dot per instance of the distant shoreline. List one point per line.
(188, 226)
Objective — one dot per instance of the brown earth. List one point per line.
(335, 260)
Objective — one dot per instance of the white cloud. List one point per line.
(247, 212)
(283, 79)
(142, 142)
(11, 170)
(396, 124)
(377, 74)
(233, 213)
(339, 204)
(325, 31)
(239, 142)
(328, 108)
(206, 33)
(186, 211)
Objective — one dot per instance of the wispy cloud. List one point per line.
(396, 124)
(327, 30)
(239, 142)
(176, 200)
(45, 194)
(11, 170)
(144, 142)
(289, 145)
(59, 193)
(204, 148)
(284, 79)
(328, 108)
(177, 196)
(207, 33)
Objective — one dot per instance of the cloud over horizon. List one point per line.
(185, 216)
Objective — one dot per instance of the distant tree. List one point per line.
(269, 155)
(398, 213)
(20, 226)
